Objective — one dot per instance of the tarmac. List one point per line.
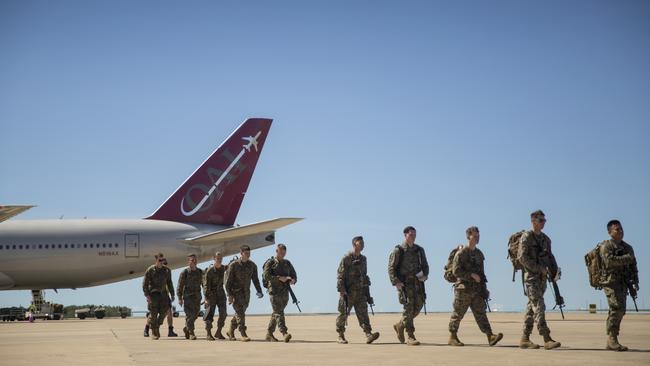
(120, 342)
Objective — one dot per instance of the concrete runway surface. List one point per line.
(120, 342)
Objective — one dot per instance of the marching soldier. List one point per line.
(278, 274)
(215, 296)
(238, 283)
(157, 280)
(538, 263)
(170, 317)
(189, 294)
(353, 286)
(470, 289)
(408, 269)
(620, 274)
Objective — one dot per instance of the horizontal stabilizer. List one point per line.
(7, 212)
(241, 231)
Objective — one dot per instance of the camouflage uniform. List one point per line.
(215, 295)
(467, 292)
(278, 290)
(535, 255)
(620, 266)
(189, 289)
(156, 283)
(404, 263)
(352, 278)
(238, 283)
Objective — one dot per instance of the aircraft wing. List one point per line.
(241, 231)
(7, 212)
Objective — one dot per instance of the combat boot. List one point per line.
(209, 336)
(612, 344)
(231, 334)
(244, 336)
(399, 329)
(525, 343)
(156, 334)
(411, 341)
(371, 337)
(170, 332)
(454, 341)
(286, 337)
(549, 343)
(342, 339)
(218, 334)
(494, 338)
(186, 332)
(146, 330)
(270, 337)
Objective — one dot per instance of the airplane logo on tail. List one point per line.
(252, 142)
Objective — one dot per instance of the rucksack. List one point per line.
(227, 272)
(594, 264)
(449, 274)
(513, 251)
(265, 283)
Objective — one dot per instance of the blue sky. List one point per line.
(439, 115)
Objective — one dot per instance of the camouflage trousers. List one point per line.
(191, 306)
(278, 303)
(240, 304)
(616, 299)
(464, 299)
(215, 303)
(158, 308)
(358, 301)
(536, 308)
(414, 291)
(161, 317)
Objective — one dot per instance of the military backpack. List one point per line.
(449, 274)
(513, 251)
(269, 262)
(594, 263)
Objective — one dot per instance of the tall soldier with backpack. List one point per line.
(466, 271)
(612, 267)
(535, 258)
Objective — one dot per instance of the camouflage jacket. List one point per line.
(239, 276)
(352, 274)
(405, 262)
(157, 280)
(273, 269)
(466, 262)
(189, 283)
(535, 253)
(619, 263)
(213, 282)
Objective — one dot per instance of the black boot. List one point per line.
(146, 330)
(170, 332)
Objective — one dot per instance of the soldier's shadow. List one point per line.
(602, 350)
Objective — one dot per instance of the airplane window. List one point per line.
(0, 247)
(20, 246)
(40, 246)
(13, 247)
(66, 246)
(47, 246)
(27, 246)
(110, 245)
(59, 246)
(116, 245)
(104, 245)
(92, 245)
(85, 245)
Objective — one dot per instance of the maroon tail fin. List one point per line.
(214, 193)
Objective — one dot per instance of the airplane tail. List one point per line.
(214, 193)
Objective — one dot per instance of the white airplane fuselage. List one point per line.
(45, 254)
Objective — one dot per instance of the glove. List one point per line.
(259, 295)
